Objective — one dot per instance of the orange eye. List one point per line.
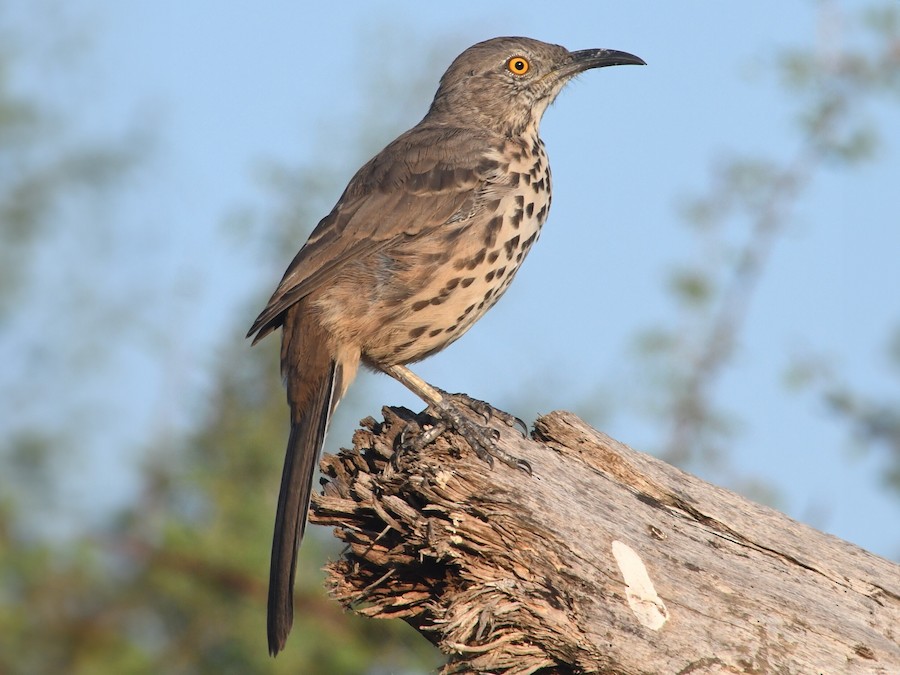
(518, 65)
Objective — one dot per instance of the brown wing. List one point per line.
(426, 178)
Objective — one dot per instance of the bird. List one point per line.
(423, 241)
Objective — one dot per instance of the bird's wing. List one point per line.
(425, 179)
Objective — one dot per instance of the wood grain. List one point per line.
(605, 560)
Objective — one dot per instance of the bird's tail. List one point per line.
(315, 384)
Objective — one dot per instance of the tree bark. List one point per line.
(605, 560)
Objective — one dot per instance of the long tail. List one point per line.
(314, 382)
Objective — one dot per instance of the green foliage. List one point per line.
(199, 542)
(35, 176)
(737, 223)
(873, 422)
(836, 84)
(176, 582)
(691, 287)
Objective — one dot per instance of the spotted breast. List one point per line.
(475, 269)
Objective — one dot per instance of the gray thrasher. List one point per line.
(424, 240)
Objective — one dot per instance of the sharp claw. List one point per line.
(519, 422)
(485, 411)
(485, 457)
(482, 439)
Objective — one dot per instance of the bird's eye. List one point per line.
(518, 65)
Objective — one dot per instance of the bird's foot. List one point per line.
(486, 411)
(482, 439)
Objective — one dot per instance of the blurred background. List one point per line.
(718, 284)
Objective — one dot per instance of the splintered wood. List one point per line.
(605, 560)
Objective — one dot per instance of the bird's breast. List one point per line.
(424, 293)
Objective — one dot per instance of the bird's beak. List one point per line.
(586, 59)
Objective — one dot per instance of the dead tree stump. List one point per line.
(605, 560)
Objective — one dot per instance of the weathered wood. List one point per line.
(605, 560)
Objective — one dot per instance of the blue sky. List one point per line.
(227, 88)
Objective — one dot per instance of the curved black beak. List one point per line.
(586, 59)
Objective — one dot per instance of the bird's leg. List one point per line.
(482, 440)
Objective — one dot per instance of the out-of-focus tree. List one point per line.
(872, 421)
(53, 184)
(46, 175)
(38, 173)
(747, 210)
(176, 581)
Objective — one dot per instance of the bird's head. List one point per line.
(507, 83)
